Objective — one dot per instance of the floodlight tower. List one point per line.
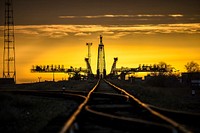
(101, 63)
(9, 70)
(89, 52)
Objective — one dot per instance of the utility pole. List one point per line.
(9, 69)
(39, 78)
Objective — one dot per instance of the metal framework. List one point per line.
(88, 61)
(73, 72)
(89, 69)
(113, 69)
(89, 52)
(143, 68)
(123, 71)
(9, 69)
(101, 63)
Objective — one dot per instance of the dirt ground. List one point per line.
(179, 99)
(31, 114)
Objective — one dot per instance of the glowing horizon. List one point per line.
(175, 44)
(137, 32)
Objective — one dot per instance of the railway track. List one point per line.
(107, 108)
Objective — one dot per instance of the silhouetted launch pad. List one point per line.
(76, 72)
(9, 70)
(86, 73)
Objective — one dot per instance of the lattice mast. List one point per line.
(9, 69)
(101, 63)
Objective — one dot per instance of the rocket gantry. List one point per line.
(101, 63)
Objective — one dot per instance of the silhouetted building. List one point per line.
(135, 79)
(7, 83)
(191, 79)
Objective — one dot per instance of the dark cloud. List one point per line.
(48, 11)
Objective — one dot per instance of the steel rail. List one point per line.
(73, 117)
(168, 120)
(189, 119)
(53, 94)
(129, 121)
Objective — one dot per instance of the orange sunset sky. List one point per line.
(135, 31)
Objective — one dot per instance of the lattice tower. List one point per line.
(9, 69)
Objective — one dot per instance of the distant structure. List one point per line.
(89, 52)
(88, 62)
(90, 75)
(9, 69)
(191, 79)
(113, 71)
(120, 73)
(101, 63)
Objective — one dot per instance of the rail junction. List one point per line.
(108, 108)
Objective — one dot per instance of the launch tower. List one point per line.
(101, 63)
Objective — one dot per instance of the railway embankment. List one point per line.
(175, 98)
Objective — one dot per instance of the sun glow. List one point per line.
(175, 44)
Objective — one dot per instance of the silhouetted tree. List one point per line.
(166, 77)
(192, 67)
(165, 69)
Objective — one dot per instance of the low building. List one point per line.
(4, 81)
(191, 79)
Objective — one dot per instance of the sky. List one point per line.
(136, 31)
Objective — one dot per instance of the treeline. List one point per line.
(170, 78)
